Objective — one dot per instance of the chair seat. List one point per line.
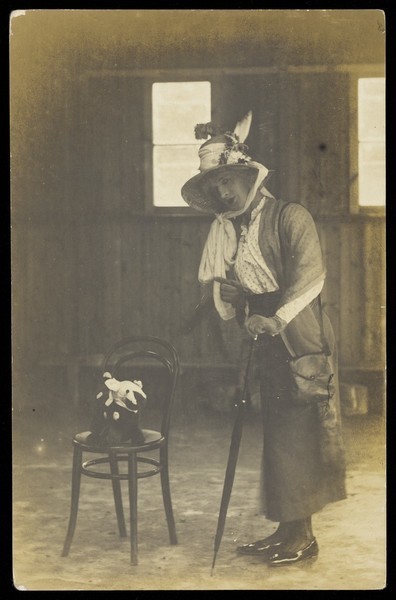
(152, 438)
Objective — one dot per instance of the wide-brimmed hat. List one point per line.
(225, 151)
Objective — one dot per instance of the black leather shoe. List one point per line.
(281, 558)
(259, 548)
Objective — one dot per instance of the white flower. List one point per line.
(236, 156)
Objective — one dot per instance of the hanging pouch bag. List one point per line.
(312, 378)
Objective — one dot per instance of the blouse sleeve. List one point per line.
(303, 268)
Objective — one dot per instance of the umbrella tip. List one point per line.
(213, 565)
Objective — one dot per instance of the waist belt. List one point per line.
(264, 304)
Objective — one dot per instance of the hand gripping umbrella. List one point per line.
(232, 457)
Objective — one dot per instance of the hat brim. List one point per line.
(192, 191)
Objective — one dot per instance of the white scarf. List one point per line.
(221, 246)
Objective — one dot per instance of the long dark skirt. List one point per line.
(303, 465)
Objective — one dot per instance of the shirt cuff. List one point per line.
(288, 311)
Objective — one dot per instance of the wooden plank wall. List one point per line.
(90, 267)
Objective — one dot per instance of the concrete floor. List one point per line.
(350, 533)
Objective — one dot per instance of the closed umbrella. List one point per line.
(232, 458)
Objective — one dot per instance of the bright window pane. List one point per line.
(177, 108)
(173, 166)
(371, 95)
(371, 133)
(371, 174)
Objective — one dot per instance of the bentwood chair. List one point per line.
(133, 356)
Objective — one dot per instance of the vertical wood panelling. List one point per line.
(374, 298)
(353, 326)
(43, 288)
(112, 281)
(90, 318)
(289, 158)
(132, 299)
(90, 267)
(324, 140)
(158, 266)
(194, 234)
(265, 134)
(329, 235)
(108, 189)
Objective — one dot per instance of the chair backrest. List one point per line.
(147, 352)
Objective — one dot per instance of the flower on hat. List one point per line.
(233, 156)
(234, 152)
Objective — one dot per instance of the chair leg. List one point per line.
(132, 487)
(166, 495)
(116, 483)
(75, 493)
